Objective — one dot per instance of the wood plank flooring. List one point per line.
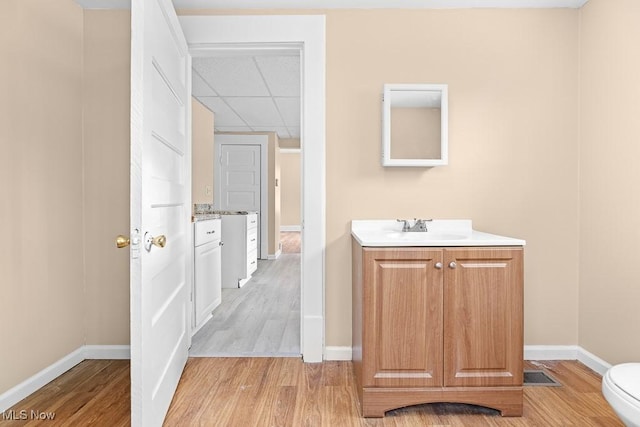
(95, 392)
(260, 319)
(286, 392)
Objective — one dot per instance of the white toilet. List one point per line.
(621, 388)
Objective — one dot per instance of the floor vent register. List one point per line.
(539, 378)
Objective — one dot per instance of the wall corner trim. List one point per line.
(53, 371)
(337, 353)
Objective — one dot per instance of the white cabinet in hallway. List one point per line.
(207, 270)
(240, 250)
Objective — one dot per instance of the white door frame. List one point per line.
(305, 32)
(263, 142)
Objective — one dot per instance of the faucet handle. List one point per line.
(405, 226)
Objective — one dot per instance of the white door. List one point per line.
(240, 177)
(240, 180)
(160, 206)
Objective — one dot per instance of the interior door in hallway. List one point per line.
(160, 208)
(240, 180)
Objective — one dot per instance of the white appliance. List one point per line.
(240, 250)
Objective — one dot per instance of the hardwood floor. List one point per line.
(286, 392)
(290, 242)
(95, 392)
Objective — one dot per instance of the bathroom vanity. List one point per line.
(437, 316)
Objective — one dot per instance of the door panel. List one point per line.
(160, 205)
(405, 310)
(240, 172)
(483, 299)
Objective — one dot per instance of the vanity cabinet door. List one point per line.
(402, 311)
(483, 306)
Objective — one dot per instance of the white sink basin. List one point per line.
(457, 232)
(428, 236)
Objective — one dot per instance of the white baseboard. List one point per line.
(53, 371)
(290, 228)
(593, 361)
(551, 352)
(113, 352)
(566, 352)
(337, 353)
(531, 352)
(275, 256)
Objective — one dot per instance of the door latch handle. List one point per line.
(159, 241)
(122, 241)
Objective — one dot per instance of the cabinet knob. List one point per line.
(453, 264)
(438, 265)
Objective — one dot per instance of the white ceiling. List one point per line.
(257, 92)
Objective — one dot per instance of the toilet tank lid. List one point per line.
(627, 377)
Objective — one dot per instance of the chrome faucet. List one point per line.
(420, 225)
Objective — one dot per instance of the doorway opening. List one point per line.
(254, 95)
(306, 33)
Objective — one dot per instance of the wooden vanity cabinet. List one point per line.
(438, 325)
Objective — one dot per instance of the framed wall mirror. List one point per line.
(415, 125)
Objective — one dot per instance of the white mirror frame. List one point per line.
(386, 125)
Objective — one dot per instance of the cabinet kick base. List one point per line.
(376, 401)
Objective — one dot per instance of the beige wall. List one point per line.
(513, 168)
(202, 153)
(609, 197)
(106, 95)
(289, 142)
(274, 193)
(42, 317)
(290, 188)
(514, 157)
(513, 141)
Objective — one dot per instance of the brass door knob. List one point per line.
(122, 241)
(160, 241)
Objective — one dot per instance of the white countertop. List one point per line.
(442, 232)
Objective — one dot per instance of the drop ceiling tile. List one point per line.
(282, 74)
(232, 75)
(290, 110)
(222, 114)
(199, 87)
(256, 111)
